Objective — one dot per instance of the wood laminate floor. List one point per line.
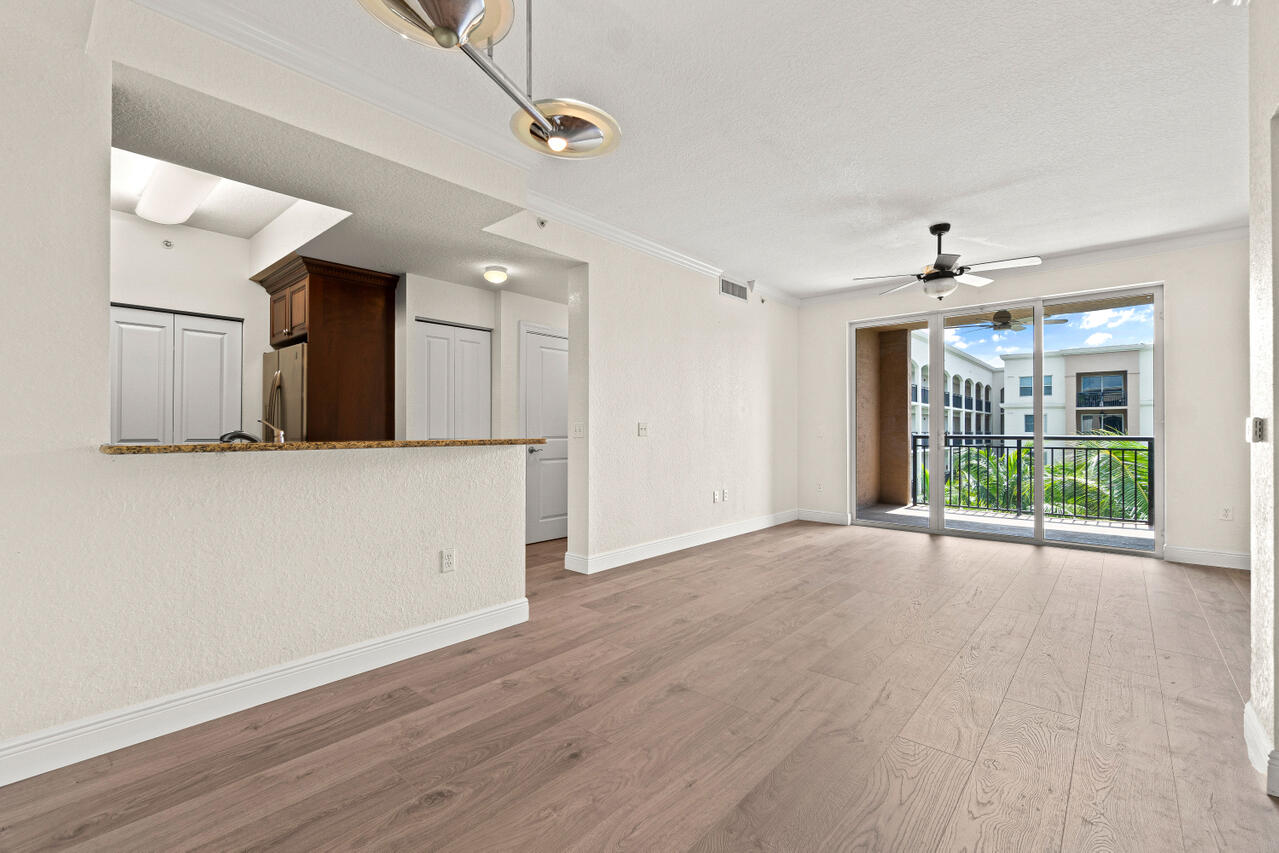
(804, 688)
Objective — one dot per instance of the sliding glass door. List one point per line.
(989, 457)
(1037, 421)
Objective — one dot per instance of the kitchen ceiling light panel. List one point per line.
(173, 193)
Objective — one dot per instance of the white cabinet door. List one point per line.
(455, 368)
(544, 397)
(473, 383)
(141, 377)
(207, 367)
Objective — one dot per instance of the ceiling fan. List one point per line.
(945, 274)
(1003, 321)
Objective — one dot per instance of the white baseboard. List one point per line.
(50, 749)
(1261, 751)
(589, 565)
(824, 517)
(1204, 557)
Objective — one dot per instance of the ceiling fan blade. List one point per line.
(974, 280)
(879, 277)
(1011, 263)
(972, 326)
(898, 287)
(1056, 321)
(945, 262)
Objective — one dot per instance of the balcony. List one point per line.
(923, 395)
(988, 407)
(914, 393)
(1086, 478)
(968, 402)
(1101, 399)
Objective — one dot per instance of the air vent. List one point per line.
(735, 290)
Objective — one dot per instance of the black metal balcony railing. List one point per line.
(1099, 399)
(968, 402)
(988, 407)
(923, 395)
(914, 393)
(1090, 477)
(947, 398)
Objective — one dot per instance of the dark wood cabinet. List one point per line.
(346, 316)
(279, 318)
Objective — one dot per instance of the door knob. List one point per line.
(533, 450)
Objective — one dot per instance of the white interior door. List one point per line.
(544, 402)
(207, 368)
(473, 383)
(455, 400)
(141, 376)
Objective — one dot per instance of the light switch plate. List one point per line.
(579, 429)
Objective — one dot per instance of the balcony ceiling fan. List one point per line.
(1003, 321)
(945, 274)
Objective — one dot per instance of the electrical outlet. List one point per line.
(715, 497)
(723, 495)
(819, 487)
(641, 429)
(1227, 514)
(448, 560)
(579, 429)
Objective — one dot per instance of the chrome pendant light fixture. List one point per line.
(557, 127)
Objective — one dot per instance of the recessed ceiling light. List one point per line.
(496, 275)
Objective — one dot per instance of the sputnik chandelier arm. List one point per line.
(510, 87)
(557, 127)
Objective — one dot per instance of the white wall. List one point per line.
(712, 377)
(1263, 99)
(205, 273)
(126, 578)
(513, 309)
(421, 298)
(1206, 347)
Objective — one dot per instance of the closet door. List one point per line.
(454, 397)
(473, 383)
(435, 356)
(141, 376)
(207, 366)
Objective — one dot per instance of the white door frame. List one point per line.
(936, 414)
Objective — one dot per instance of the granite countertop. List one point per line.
(247, 447)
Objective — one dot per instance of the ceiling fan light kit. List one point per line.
(556, 127)
(944, 275)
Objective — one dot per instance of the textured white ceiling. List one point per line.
(233, 208)
(402, 220)
(806, 143)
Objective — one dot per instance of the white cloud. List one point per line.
(995, 337)
(954, 340)
(1096, 340)
(1094, 319)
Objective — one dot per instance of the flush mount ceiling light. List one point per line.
(557, 127)
(496, 275)
(173, 193)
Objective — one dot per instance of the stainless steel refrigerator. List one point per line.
(284, 393)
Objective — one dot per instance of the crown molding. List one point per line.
(341, 74)
(568, 215)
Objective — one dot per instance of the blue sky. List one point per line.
(1107, 327)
